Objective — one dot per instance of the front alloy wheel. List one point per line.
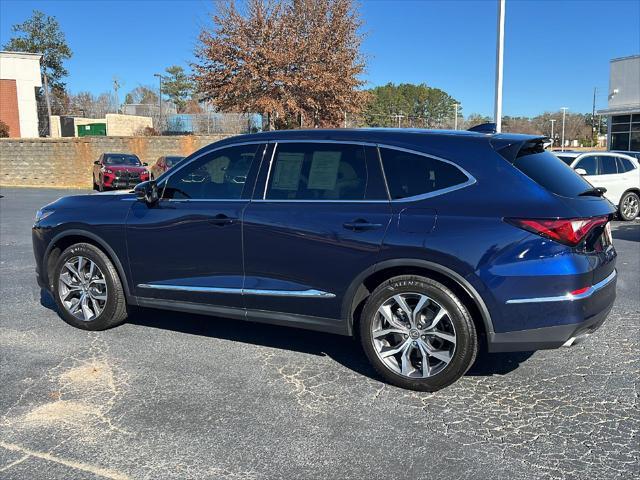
(87, 288)
(417, 333)
(82, 288)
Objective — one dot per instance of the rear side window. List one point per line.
(550, 172)
(608, 165)
(409, 174)
(318, 171)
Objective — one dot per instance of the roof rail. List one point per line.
(488, 127)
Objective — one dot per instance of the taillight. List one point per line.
(566, 231)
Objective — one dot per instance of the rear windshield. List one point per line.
(130, 160)
(552, 173)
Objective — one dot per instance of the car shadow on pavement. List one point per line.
(344, 350)
(629, 231)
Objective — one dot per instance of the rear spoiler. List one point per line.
(484, 128)
(511, 149)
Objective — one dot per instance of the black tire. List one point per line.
(466, 346)
(115, 308)
(629, 214)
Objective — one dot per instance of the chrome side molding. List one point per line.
(241, 291)
(568, 297)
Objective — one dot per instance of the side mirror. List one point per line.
(147, 192)
(97, 162)
(145, 164)
(581, 171)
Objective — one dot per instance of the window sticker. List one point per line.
(324, 170)
(287, 173)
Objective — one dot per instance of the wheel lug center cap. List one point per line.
(413, 333)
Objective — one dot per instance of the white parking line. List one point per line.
(102, 472)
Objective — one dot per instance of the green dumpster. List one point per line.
(92, 129)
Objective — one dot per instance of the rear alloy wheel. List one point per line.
(87, 289)
(417, 334)
(629, 206)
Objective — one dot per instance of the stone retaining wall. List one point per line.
(68, 162)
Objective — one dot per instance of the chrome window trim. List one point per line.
(442, 191)
(266, 182)
(568, 297)
(241, 291)
(183, 164)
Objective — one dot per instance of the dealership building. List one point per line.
(623, 110)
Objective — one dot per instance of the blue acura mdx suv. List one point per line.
(423, 244)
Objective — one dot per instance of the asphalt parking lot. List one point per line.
(171, 395)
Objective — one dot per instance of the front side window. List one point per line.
(409, 174)
(589, 165)
(318, 171)
(219, 175)
(172, 161)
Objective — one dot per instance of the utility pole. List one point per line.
(593, 116)
(46, 96)
(159, 100)
(564, 112)
(552, 139)
(497, 114)
(455, 120)
(116, 86)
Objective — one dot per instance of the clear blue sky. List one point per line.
(555, 51)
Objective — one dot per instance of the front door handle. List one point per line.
(361, 224)
(221, 219)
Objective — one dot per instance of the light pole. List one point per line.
(497, 115)
(159, 100)
(564, 112)
(552, 139)
(455, 120)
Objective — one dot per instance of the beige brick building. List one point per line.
(19, 78)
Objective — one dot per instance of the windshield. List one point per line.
(128, 160)
(171, 161)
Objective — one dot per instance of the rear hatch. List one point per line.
(588, 232)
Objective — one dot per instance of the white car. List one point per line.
(617, 172)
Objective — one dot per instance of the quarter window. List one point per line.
(219, 175)
(316, 171)
(409, 174)
(624, 165)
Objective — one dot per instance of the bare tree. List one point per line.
(295, 61)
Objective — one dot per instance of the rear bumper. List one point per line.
(592, 307)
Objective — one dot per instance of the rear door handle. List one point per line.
(361, 224)
(221, 219)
